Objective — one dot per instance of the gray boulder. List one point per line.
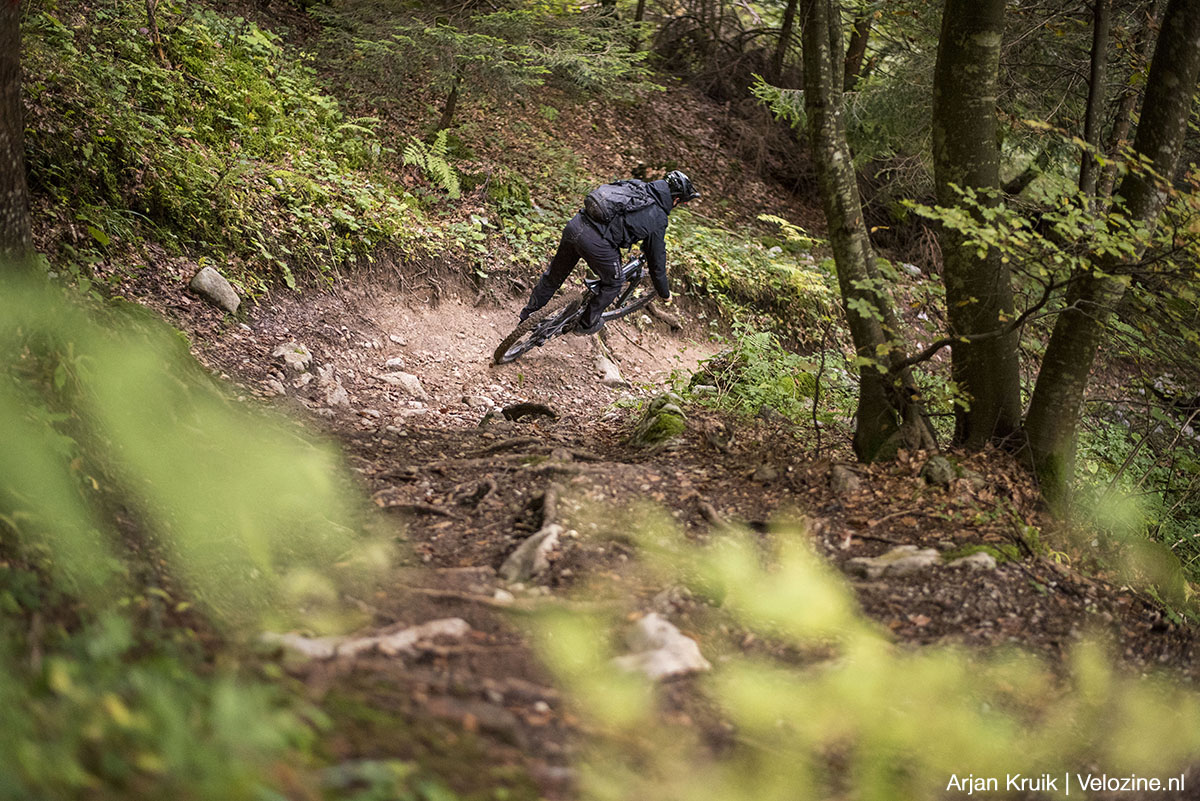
(531, 559)
(939, 471)
(843, 480)
(212, 286)
(980, 560)
(295, 356)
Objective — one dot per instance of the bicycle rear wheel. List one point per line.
(537, 328)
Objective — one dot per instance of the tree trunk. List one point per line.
(16, 240)
(966, 154)
(1058, 396)
(1123, 117)
(1088, 166)
(448, 108)
(889, 414)
(640, 14)
(785, 41)
(155, 36)
(857, 49)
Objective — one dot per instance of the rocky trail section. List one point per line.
(506, 514)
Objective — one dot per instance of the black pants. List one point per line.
(580, 240)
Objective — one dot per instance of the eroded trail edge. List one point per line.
(503, 517)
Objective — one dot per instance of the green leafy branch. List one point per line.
(431, 158)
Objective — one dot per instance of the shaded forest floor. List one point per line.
(462, 494)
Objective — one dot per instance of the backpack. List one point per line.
(606, 202)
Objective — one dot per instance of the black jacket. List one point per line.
(648, 226)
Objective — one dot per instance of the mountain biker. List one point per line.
(599, 245)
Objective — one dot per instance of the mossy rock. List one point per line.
(941, 472)
(806, 385)
(662, 421)
(1001, 553)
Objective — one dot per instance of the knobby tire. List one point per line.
(528, 334)
(630, 306)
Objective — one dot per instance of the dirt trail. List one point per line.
(469, 494)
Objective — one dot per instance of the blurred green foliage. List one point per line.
(859, 717)
(125, 470)
(227, 145)
(95, 721)
(108, 408)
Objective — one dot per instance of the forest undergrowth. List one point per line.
(304, 158)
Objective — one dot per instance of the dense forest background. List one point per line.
(957, 236)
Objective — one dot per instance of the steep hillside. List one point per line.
(836, 630)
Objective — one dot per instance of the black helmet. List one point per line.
(681, 187)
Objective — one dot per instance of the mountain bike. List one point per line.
(561, 315)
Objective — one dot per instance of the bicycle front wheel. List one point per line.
(636, 301)
(537, 328)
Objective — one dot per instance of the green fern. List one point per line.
(432, 159)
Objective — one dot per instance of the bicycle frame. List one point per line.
(631, 275)
(536, 331)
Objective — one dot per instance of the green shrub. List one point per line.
(774, 280)
(229, 146)
(107, 410)
(96, 721)
(498, 54)
(757, 371)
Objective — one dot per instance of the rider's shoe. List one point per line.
(582, 330)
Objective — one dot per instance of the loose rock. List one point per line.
(671, 599)
(335, 393)
(980, 560)
(396, 643)
(939, 471)
(478, 401)
(296, 357)
(212, 286)
(309, 647)
(407, 382)
(843, 480)
(899, 561)
(660, 651)
(764, 473)
(610, 376)
(532, 557)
